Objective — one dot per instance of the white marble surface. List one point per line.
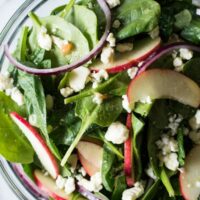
(7, 8)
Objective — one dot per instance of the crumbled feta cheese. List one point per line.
(124, 47)
(146, 99)
(133, 193)
(33, 119)
(171, 161)
(78, 78)
(178, 64)
(186, 54)
(197, 184)
(117, 133)
(107, 55)
(6, 82)
(82, 171)
(125, 103)
(154, 33)
(44, 39)
(149, 171)
(17, 96)
(132, 72)
(95, 84)
(113, 3)
(79, 177)
(174, 54)
(98, 98)
(60, 182)
(198, 11)
(94, 184)
(49, 102)
(195, 136)
(69, 185)
(195, 121)
(111, 39)
(116, 24)
(65, 92)
(100, 75)
(174, 122)
(59, 42)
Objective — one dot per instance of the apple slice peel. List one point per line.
(39, 145)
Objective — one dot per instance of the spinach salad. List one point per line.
(101, 101)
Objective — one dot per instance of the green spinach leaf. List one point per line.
(181, 149)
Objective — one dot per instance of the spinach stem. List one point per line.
(67, 8)
(22, 43)
(35, 19)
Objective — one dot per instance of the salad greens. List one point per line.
(128, 153)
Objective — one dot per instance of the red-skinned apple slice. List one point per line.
(39, 145)
(47, 184)
(128, 155)
(190, 177)
(90, 156)
(163, 83)
(122, 61)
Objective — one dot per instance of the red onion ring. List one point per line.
(65, 68)
(164, 50)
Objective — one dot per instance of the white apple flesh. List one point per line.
(90, 156)
(47, 184)
(122, 61)
(190, 177)
(163, 83)
(39, 145)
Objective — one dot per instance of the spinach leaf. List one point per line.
(119, 187)
(107, 169)
(37, 56)
(64, 30)
(181, 149)
(137, 126)
(91, 113)
(138, 16)
(67, 9)
(143, 109)
(13, 144)
(80, 16)
(183, 19)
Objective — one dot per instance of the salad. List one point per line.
(101, 101)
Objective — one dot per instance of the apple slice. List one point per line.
(128, 155)
(44, 154)
(90, 156)
(48, 185)
(141, 50)
(190, 177)
(158, 84)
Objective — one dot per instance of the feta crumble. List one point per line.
(198, 11)
(44, 39)
(124, 47)
(6, 82)
(194, 122)
(117, 133)
(60, 182)
(146, 100)
(113, 3)
(174, 122)
(82, 171)
(111, 39)
(98, 98)
(171, 161)
(134, 192)
(49, 101)
(132, 72)
(17, 96)
(32, 119)
(116, 24)
(178, 64)
(107, 55)
(185, 54)
(65, 92)
(100, 75)
(125, 103)
(197, 184)
(78, 78)
(149, 171)
(69, 185)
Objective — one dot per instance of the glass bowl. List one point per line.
(21, 186)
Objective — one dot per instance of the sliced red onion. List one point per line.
(87, 194)
(164, 50)
(65, 68)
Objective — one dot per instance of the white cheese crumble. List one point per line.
(78, 78)
(59, 42)
(149, 171)
(174, 122)
(49, 102)
(107, 55)
(113, 3)
(116, 24)
(185, 54)
(44, 39)
(134, 192)
(82, 171)
(98, 98)
(17, 96)
(94, 184)
(197, 184)
(125, 103)
(60, 182)
(69, 185)
(6, 82)
(33, 119)
(111, 39)
(100, 75)
(65, 92)
(117, 133)
(154, 33)
(132, 72)
(195, 121)
(146, 99)
(178, 64)
(198, 11)
(171, 161)
(124, 47)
